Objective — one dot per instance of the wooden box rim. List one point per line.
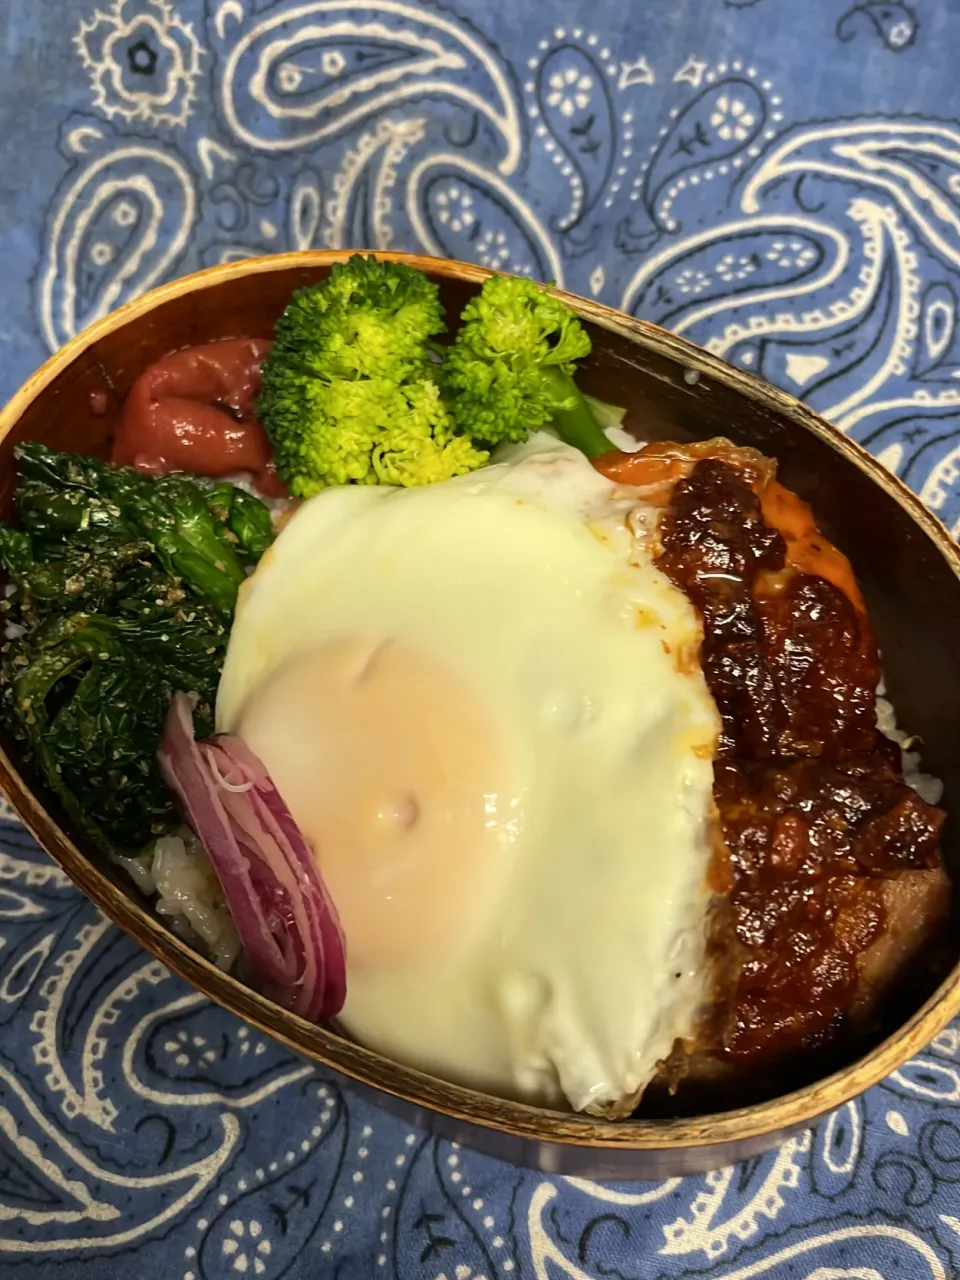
(520, 1121)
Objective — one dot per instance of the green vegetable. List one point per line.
(84, 578)
(510, 369)
(349, 391)
(124, 587)
(89, 695)
(247, 519)
(203, 533)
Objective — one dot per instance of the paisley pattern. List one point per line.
(669, 159)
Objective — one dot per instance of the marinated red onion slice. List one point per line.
(273, 888)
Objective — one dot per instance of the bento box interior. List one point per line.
(912, 591)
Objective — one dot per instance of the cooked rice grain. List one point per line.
(925, 785)
(188, 894)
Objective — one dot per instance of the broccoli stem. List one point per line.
(576, 425)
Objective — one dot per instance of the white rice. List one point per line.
(11, 630)
(188, 894)
(925, 785)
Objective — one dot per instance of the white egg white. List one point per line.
(527, 893)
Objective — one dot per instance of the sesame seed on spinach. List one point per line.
(121, 590)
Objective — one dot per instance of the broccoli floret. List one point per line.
(368, 318)
(510, 369)
(423, 446)
(348, 390)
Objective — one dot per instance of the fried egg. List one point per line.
(478, 702)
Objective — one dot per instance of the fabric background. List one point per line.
(778, 179)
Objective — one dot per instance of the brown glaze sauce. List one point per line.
(195, 411)
(813, 808)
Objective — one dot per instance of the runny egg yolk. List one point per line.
(400, 783)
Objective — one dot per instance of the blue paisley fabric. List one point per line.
(777, 179)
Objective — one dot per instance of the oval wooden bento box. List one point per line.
(909, 568)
